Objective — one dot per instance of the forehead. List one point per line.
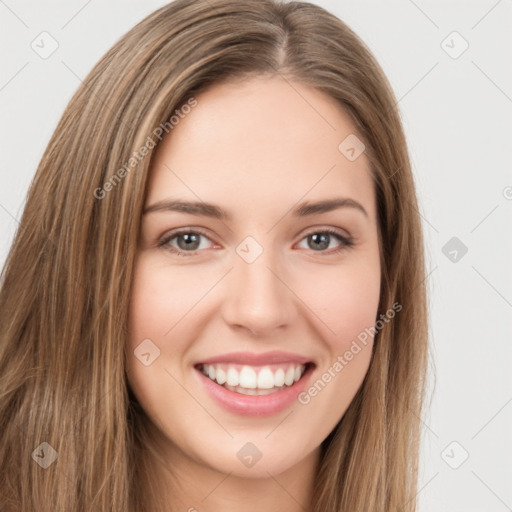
(261, 142)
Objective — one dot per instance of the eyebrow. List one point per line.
(216, 212)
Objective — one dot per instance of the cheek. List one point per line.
(345, 302)
(152, 313)
(344, 299)
(160, 301)
(348, 309)
(168, 307)
(357, 303)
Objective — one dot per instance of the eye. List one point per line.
(320, 240)
(188, 242)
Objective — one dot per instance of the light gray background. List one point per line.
(457, 114)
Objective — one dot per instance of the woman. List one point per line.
(259, 369)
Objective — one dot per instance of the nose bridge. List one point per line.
(257, 297)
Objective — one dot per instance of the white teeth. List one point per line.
(266, 379)
(279, 378)
(221, 376)
(290, 376)
(248, 379)
(232, 378)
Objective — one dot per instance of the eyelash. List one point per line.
(346, 242)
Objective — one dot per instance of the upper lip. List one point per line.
(254, 359)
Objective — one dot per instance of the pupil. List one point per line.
(190, 239)
(325, 243)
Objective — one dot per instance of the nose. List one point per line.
(257, 298)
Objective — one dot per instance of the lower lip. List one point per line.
(255, 405)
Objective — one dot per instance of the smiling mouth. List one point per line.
(254, 380)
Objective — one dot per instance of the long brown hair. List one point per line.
(65, 286)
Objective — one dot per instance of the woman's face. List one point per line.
(262, 296)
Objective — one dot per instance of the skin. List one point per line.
(257, 149)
